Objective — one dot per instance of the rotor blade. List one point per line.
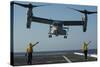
(28, 5)
(77, 10)
(89, 12)
(37, 5)
(83, 11)
(23, 5)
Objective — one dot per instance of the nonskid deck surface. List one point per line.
(51, 59)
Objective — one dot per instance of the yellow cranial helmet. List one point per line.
(30, 44)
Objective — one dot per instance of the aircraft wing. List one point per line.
(72, 23)
(42, 20)
(50, 21)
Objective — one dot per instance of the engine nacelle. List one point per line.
(28, 22)
(84, 24)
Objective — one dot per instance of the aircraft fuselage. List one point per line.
(57, 29)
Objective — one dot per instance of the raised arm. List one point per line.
(35, 44)
(89, 42)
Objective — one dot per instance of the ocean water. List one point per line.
(91, 51)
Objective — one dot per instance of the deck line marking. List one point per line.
(66, 59)
(90, 55)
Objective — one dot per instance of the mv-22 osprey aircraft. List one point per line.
(56, 26)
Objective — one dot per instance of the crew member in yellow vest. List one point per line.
(85, 49)
(29, 52)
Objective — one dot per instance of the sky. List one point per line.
(39, 32)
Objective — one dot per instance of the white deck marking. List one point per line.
(90, 55)
(66, 59)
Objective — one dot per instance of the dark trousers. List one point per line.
(85, 53)
(29, 61)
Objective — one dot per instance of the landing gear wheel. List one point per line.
(65, 36)
(50, 36)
